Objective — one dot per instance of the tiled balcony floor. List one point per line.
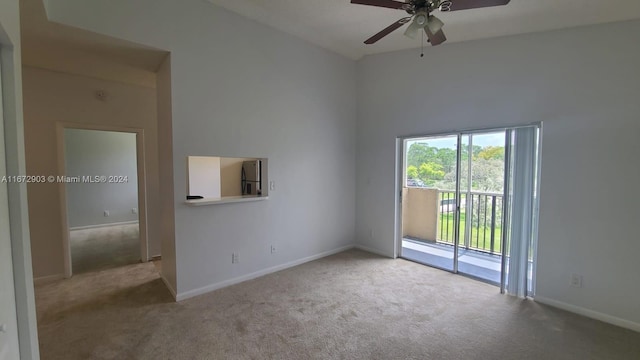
(477, 264)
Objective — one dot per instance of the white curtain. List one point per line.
(522, 209)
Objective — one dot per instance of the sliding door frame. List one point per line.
(506, 214)
(400, 178)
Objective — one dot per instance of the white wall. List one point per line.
(203, 176)
(584, 83)
(242, 90)
(101, 153)
(55, 97)
(166, 228)
(15, 201)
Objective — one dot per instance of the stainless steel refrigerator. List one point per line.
(252, 177)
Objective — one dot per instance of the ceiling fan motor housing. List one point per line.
(415, 6)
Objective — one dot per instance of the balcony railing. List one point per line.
(480, 220)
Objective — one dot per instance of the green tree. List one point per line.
(436, 167)
(492, 153)
(464, 154)
(420, 153)
(429, 173)
(412, 172)
(488, 175)
(447, 158)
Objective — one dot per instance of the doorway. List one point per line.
(103, 198)
(469, 204)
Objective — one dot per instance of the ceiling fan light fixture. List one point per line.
(434, 24)
(412, 30)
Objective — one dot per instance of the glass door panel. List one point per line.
(429, 201)
(481, 193)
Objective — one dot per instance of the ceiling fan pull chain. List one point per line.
(422, 48)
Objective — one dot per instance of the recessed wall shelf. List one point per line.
(225, 200)
(214, 180)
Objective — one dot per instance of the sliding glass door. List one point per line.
(429, 203)
(469, 204)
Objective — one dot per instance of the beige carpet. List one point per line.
(352, 305)
(104, 247)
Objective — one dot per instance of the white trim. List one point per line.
(373, 251)
(627, 324)
(142, 186)
(225, 200)
(104, 225)
(46, 279)
(468, 131)
(62, 190)
(168, 285)
(401, 163)
(205, 289)
(13, 124)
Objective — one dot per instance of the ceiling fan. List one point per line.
(421, 17)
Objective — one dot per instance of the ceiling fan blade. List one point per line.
(456, 5)
(437, 38)
(388, 30)
(380, 3)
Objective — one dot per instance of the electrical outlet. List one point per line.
(106, 213)
(235, 258)
(134, 210)
(272, 185)
(576, 280)
(273, 249)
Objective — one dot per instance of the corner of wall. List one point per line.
(17, 192)
(165, 170)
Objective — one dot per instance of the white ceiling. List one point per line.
(342, 27)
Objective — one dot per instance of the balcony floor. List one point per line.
(474, 263)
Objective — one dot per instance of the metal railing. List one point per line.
(480, 220)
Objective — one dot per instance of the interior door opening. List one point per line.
(457, 198)
(101, 186)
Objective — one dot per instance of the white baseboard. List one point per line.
(103, 225)
(45, 279)
(205, 289)
(589, 313)
(171, 289)
(372, 250)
